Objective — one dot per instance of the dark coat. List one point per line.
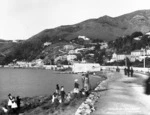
(147, 86)
(76, 85)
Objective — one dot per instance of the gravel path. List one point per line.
(122, 97)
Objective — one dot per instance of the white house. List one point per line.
(83, 37)
(79, 49)
(103, 45)
(39, 62)
(69, 47)
(148, 52)
(148, 33)
(119, 57)
(85, 67)
(71, 57)
(114, 56)
(137, 53)
(138, 38)
(47, 43)
(71, 52)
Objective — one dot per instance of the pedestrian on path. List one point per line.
(128, 71)
(147, 86)
(131, 71)
(117, 69)
(125, 71)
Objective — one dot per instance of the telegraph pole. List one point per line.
(126, 61)
(144, 58)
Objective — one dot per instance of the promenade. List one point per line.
(123, 96)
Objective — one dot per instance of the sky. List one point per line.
(21, 19)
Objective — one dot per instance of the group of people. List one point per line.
(13, 105)
(60, 96)
(128, 71)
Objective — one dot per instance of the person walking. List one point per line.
(125, 71)
(131, 71)
(128, 71)
(147, 86)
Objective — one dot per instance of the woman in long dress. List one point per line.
(87, 84)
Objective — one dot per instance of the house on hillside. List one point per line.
(71, 57)
(83, 37)
(68, 47)
(104, 45)
(71, 52)
(47, 44)
(119, 57)
(148, 52)
(137, 53)
(148, 34)
(137, 38)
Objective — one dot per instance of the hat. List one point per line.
(76, 80)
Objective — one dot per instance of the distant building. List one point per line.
(71, 57)
(119, 57)
(148, 33)
(85, 67)
(140, 54)
(137, 38)
(47, 43)
(83, 37)
(103, 45)
(148, 52)
(69, 47)
(137, 53)
(80, 49)
(71, 52)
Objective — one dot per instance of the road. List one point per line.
(123, 96)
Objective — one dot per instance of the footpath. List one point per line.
(122, 96)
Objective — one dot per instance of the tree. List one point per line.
(136, 34)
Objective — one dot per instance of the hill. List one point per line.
(106, 28)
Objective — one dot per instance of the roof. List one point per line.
(137, 51)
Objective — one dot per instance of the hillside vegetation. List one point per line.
(105, 28)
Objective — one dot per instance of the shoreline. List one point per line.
(88, 106)
(38, 101)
